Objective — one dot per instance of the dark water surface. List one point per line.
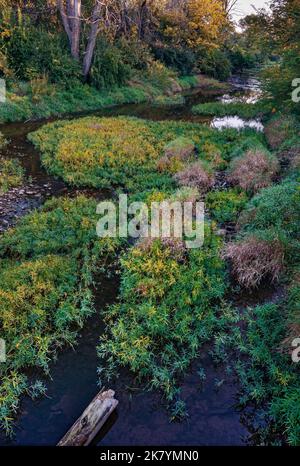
(141, 418)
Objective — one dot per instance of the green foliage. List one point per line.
(11, 174)
(214, 62)
(268, 375)
(277, 80)
(47, 266)
(3, 141)
(32, 52)
(107, 152)
(243, 110)
(167, 311)
(176, 57)
(108, 69)
(241, 59)
(225, 206)
(275, 212)
(43, 100)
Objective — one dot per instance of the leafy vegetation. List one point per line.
(47, 267)
(253, 170)
(167, 310)
(226, 205)
(266, 371)
(105, 152)
(11, 174)
(243, 110)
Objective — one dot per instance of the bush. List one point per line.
(108, 69)
(165, 312)
(34, 52)
(226, 205)
(280, 129)
(275, 211)
(253, 171)
(47, 266)
(177, 154)
(195, 176)
(214, 62)
(107, 152)
(11, 174)
(177, 58)
(275, 208)
(254, 259)
(243, 110)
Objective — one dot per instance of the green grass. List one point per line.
(247, 111)
(3, 141)
(48, 262)
(267, 375)
(55, 100)
(11, 174)
(225, 206)
(168, 308)
(110, 152)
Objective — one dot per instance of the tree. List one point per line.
(71, 15)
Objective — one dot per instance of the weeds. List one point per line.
(11, 174)
(47, 267)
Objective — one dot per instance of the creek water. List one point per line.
(141, 417)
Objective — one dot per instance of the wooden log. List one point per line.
(90, 422)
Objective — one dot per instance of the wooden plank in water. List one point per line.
(90, 422)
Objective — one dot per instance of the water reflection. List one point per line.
(236, 122)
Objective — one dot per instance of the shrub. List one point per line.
(177, 58)
(214, 62)
(195, 176)
(11, 174)
(33, 52)
(280, 129)
(243, 110)
(177, 153)
(275, 208)
(107, 152)
(268, 378)
(3, 141)
(213, 155)
(46, 270)
(108, 69)
(226, 205)
(181, 147)
(253, 171)
(254, 259)
(166, 311)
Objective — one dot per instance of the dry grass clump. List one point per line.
(254, 259)
(195, 176)
(176, 154)
(278, 131)
(174, 246)
(253, 171)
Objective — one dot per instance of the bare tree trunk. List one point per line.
(70, 11)
(65, 18)
(76, 27)
(71, 18)
(88, 56)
